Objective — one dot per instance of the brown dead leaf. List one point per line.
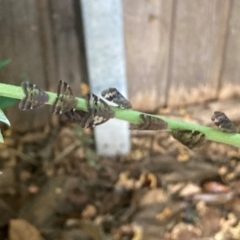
(215, 187)
(6, 213)
(93, 230)
(183, 155)
(153, 196)
(189, 189)
(84, 89)
(20, 229)
(89, 212)
(126, 182)
(164, 214)
(186, 231)
(151, 180)
(124, 231)
(7, 181)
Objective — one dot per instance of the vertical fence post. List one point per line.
(103, 30)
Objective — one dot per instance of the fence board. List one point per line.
(167, 11)
(198, 47)
(19, 38)
(66, 44)
(142, 38)
(47, 44)
(231, 73)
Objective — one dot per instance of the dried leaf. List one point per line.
(93, 230)
(21, 229)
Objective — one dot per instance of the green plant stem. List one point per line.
(132, 116)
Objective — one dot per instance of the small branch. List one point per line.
(132, 116)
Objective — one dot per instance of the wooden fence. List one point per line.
(177, 52)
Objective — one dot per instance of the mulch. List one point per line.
(53, 185)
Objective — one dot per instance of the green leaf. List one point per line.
(7, 102)
(4, 63)
(3, 118)
(1, 137)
